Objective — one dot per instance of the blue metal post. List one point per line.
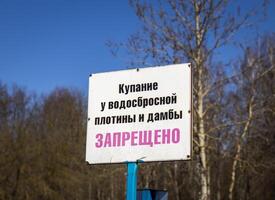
(132, 168)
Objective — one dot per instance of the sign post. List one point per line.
(132, 168)
(140, 115)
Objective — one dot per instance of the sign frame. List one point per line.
(190, 111)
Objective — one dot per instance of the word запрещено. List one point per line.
(138, 138)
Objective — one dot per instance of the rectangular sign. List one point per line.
(140, 115)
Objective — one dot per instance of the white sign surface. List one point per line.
(140, 114)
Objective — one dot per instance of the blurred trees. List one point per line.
(253, 101)
(42, 144)
(42, 149)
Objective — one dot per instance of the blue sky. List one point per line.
(57, 43)
(50, 43)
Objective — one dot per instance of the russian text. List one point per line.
(125, 89)
(141, 102)
(138, 138)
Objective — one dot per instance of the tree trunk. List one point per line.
(233, 173)
(14, 192)
(204, 173)
(176, 184)
(238, 150)
(202, 144)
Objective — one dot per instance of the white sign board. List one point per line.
(140, 114)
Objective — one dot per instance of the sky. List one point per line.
(46, 44)
(57, 43)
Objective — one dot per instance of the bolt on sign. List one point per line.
(140, 115)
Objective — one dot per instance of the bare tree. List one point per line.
(257, 69)
(189, 31)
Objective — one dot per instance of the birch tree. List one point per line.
(188, 31)
(255, 89)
